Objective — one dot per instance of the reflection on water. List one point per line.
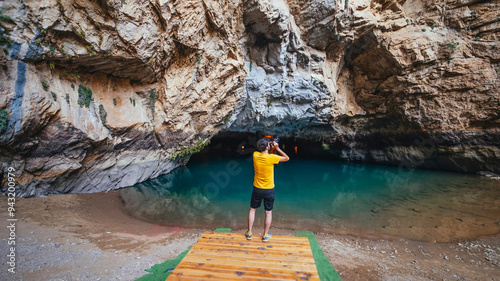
(324, 196)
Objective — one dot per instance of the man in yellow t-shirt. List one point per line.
(263, 164)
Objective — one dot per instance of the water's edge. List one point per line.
(324, 196)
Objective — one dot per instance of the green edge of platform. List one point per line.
(325, 269)
(223, 230)
(160, 272)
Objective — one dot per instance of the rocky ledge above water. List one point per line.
(99, 95)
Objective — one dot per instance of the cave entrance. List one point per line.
(242, 145)
(213, 190)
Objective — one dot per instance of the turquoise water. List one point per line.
(324, 196)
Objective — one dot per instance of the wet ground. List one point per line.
(90, 237)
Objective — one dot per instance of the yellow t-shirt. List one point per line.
(263, 165)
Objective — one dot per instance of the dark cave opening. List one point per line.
(242, 145)
(409, 150)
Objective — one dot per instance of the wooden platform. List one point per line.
(229, 256)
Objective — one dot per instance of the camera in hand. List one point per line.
(277, 139)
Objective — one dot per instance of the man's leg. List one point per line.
(251, 219)
(268, 207)
(267, 223)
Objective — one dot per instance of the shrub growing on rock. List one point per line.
(102, 114)
(84, 96)
(4, 120)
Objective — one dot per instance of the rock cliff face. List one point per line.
(98, 95)
(398, 82)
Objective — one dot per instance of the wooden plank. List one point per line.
(258, 244)
(229, 256)
(253, 262)
(235, 253)
(253, 244)
(250, 271)
(237, 258)
(254, 248)
(198, 277)
(223, 264)
(218, 274)
(256, 238)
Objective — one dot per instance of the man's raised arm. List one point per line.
(284, 157)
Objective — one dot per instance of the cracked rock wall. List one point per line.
(98, 95)
(406, 83)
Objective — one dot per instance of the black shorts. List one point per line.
(258, 194)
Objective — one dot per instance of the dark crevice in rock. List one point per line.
(409, 149)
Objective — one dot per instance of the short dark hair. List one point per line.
(262, 144)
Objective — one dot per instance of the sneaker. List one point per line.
(248, 235)
(266, 237)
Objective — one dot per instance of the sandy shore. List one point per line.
(89, 237)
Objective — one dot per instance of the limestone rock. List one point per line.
(98, 95)
(102, 95)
